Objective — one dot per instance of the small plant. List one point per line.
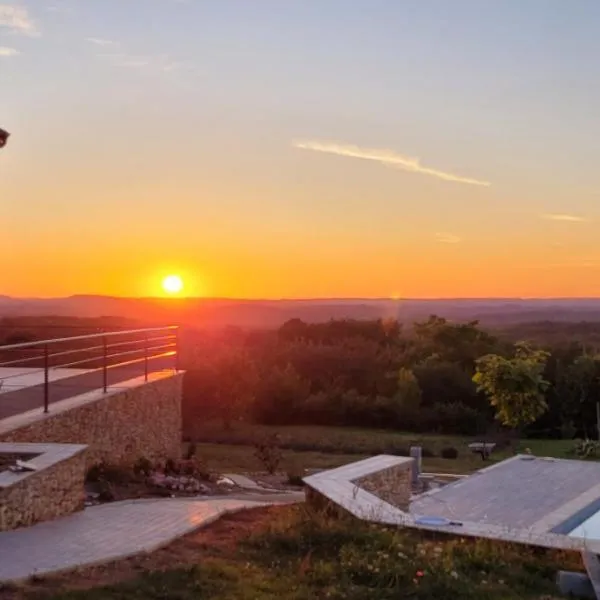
(191, 451)
(267, 451)
(142, 467)
(295, 474)
(103, 471)
(171, 467)
(449, 452)
(105, 491)
(587, 448)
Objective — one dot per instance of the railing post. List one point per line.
(104, 365)
(146, 357)
(46, 378)
(177, 350)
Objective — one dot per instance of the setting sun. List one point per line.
(173, 284)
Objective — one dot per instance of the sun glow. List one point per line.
(172, 284)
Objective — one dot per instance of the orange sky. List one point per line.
(225, 148)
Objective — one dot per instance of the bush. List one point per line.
(268, 453)
(449, 452)
(142, 466)
(586, 448)
(190, 451)
(104, 472)
(295, 474)
(188, 467)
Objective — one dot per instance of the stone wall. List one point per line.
(392, 485)
(142, 420)
(52, 492)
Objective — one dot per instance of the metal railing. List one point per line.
(101, 352)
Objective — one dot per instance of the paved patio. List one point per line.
(22, 390)
(521, 492)
(117, 530)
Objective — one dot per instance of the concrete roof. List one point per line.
(522, 492)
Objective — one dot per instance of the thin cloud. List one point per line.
(447, 238)
(132, 61)
(101, 42)
(565, 218)
(17, 20)
(385, 157)
(8, 52)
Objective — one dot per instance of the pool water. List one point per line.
(589, 529)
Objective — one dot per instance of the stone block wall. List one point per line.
(393, 485)
(44, 495)
(119, 427)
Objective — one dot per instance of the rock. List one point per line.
(225, 481)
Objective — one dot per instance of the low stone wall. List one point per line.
(393, 485)
(55, 490)
(141, 420)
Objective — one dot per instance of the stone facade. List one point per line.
(51, 492)
(320, 503)
(393, 485)
(119, 427)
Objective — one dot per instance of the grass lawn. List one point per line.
(327, 447)
(292, 553)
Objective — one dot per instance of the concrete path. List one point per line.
(116, 530)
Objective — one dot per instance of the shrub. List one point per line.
(294, 474)
(449, 452)
(105, 491)
(142, 466)
(191, 451)
(587, 448)
(267, 451)
(104, 472)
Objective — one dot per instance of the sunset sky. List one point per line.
(300, 148)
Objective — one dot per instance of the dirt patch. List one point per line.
(217, 540)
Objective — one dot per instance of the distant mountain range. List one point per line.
(216, 312)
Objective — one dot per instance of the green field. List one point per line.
(325, 447)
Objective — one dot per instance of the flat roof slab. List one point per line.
(17, 378)
(516, 493)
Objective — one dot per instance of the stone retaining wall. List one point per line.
(393, 485)
(52, 491)
(142, 420)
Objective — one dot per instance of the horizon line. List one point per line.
(306, 299)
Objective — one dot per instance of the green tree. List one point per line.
(408, 395)
(515, 386)
(580, 387)
(460, 343)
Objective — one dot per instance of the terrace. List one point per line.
(69, 403)
(38, 374)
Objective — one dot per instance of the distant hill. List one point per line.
(217, 312)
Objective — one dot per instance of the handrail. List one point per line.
(85, 337)
(163, 343)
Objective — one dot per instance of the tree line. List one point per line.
(435, 376)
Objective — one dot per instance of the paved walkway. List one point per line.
(116, 530)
